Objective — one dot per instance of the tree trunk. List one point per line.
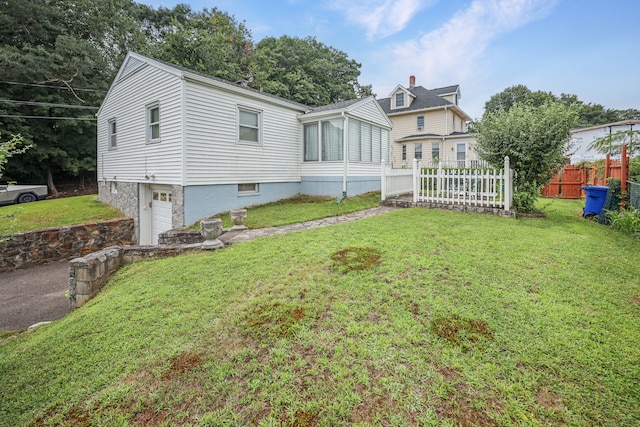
(52, 187)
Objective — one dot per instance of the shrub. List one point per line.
(626, 221)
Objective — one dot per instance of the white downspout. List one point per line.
(345, 155)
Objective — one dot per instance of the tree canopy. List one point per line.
(306, 71)
(58, 58)
(534, 138)
(588, 114)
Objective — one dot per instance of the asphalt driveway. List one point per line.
(33, 295)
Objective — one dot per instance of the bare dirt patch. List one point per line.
(355, 259)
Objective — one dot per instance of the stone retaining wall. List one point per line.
(39, 247)
(88, 274)
(407, 203)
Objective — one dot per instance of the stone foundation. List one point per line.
(408, 203)
(31, 248)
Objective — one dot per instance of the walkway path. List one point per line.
(37, 294)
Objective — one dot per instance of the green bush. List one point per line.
(626, 221)
(634, 169)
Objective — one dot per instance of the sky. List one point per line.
(589, 48)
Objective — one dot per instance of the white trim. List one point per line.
(112, 137)
(148, 123)
(259, 127)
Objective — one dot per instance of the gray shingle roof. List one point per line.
(445, 90)
(432, 135)
(425, 99)
(336, 106)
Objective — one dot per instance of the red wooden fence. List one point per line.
(567, 183)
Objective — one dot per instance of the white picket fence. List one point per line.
(473, 187)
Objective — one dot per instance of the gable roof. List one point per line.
(447, 90)
(135, 61)
(425, 99)
(348, 107)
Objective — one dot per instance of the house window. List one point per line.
(311, 142)
(252, 188)
(248, 125)
(332, 143)
(153, 123)
(399, 99)
(461, 151)
(435, 151)
(454, 122)
(404, 151)
(113, 142)
(420, 122)
(417, 152)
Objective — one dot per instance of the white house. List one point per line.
(175, 146)
(581, 139)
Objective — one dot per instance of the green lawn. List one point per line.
(417, 317)
(301, 209)
(54, 213)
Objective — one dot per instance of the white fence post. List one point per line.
(508, 184)
(416, 178)
(383, 181)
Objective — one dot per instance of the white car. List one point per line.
(10, 194)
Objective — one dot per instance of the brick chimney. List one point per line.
(412, 82)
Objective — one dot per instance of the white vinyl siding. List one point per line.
(128, 100)
(213, 155)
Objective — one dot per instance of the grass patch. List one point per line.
(55, 213)
(467, 320)
(355, 259)
(300, 209)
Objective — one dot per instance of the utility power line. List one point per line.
(49, 118)
(54, 87)
(47, 104)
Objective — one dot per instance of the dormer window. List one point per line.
(399, 99)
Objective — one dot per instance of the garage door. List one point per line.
(161, 203)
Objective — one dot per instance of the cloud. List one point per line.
(380, 18)
(452, 51)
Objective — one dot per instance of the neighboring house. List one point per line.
(581, 139)
(428, 125)
(176, 146)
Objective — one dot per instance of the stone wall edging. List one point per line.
(37, 247)
(403, 203)
(88, 274)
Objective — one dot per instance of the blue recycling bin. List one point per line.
(596, 195)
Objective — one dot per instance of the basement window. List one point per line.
(253, 188)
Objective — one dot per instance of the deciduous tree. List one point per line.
(534, 138)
